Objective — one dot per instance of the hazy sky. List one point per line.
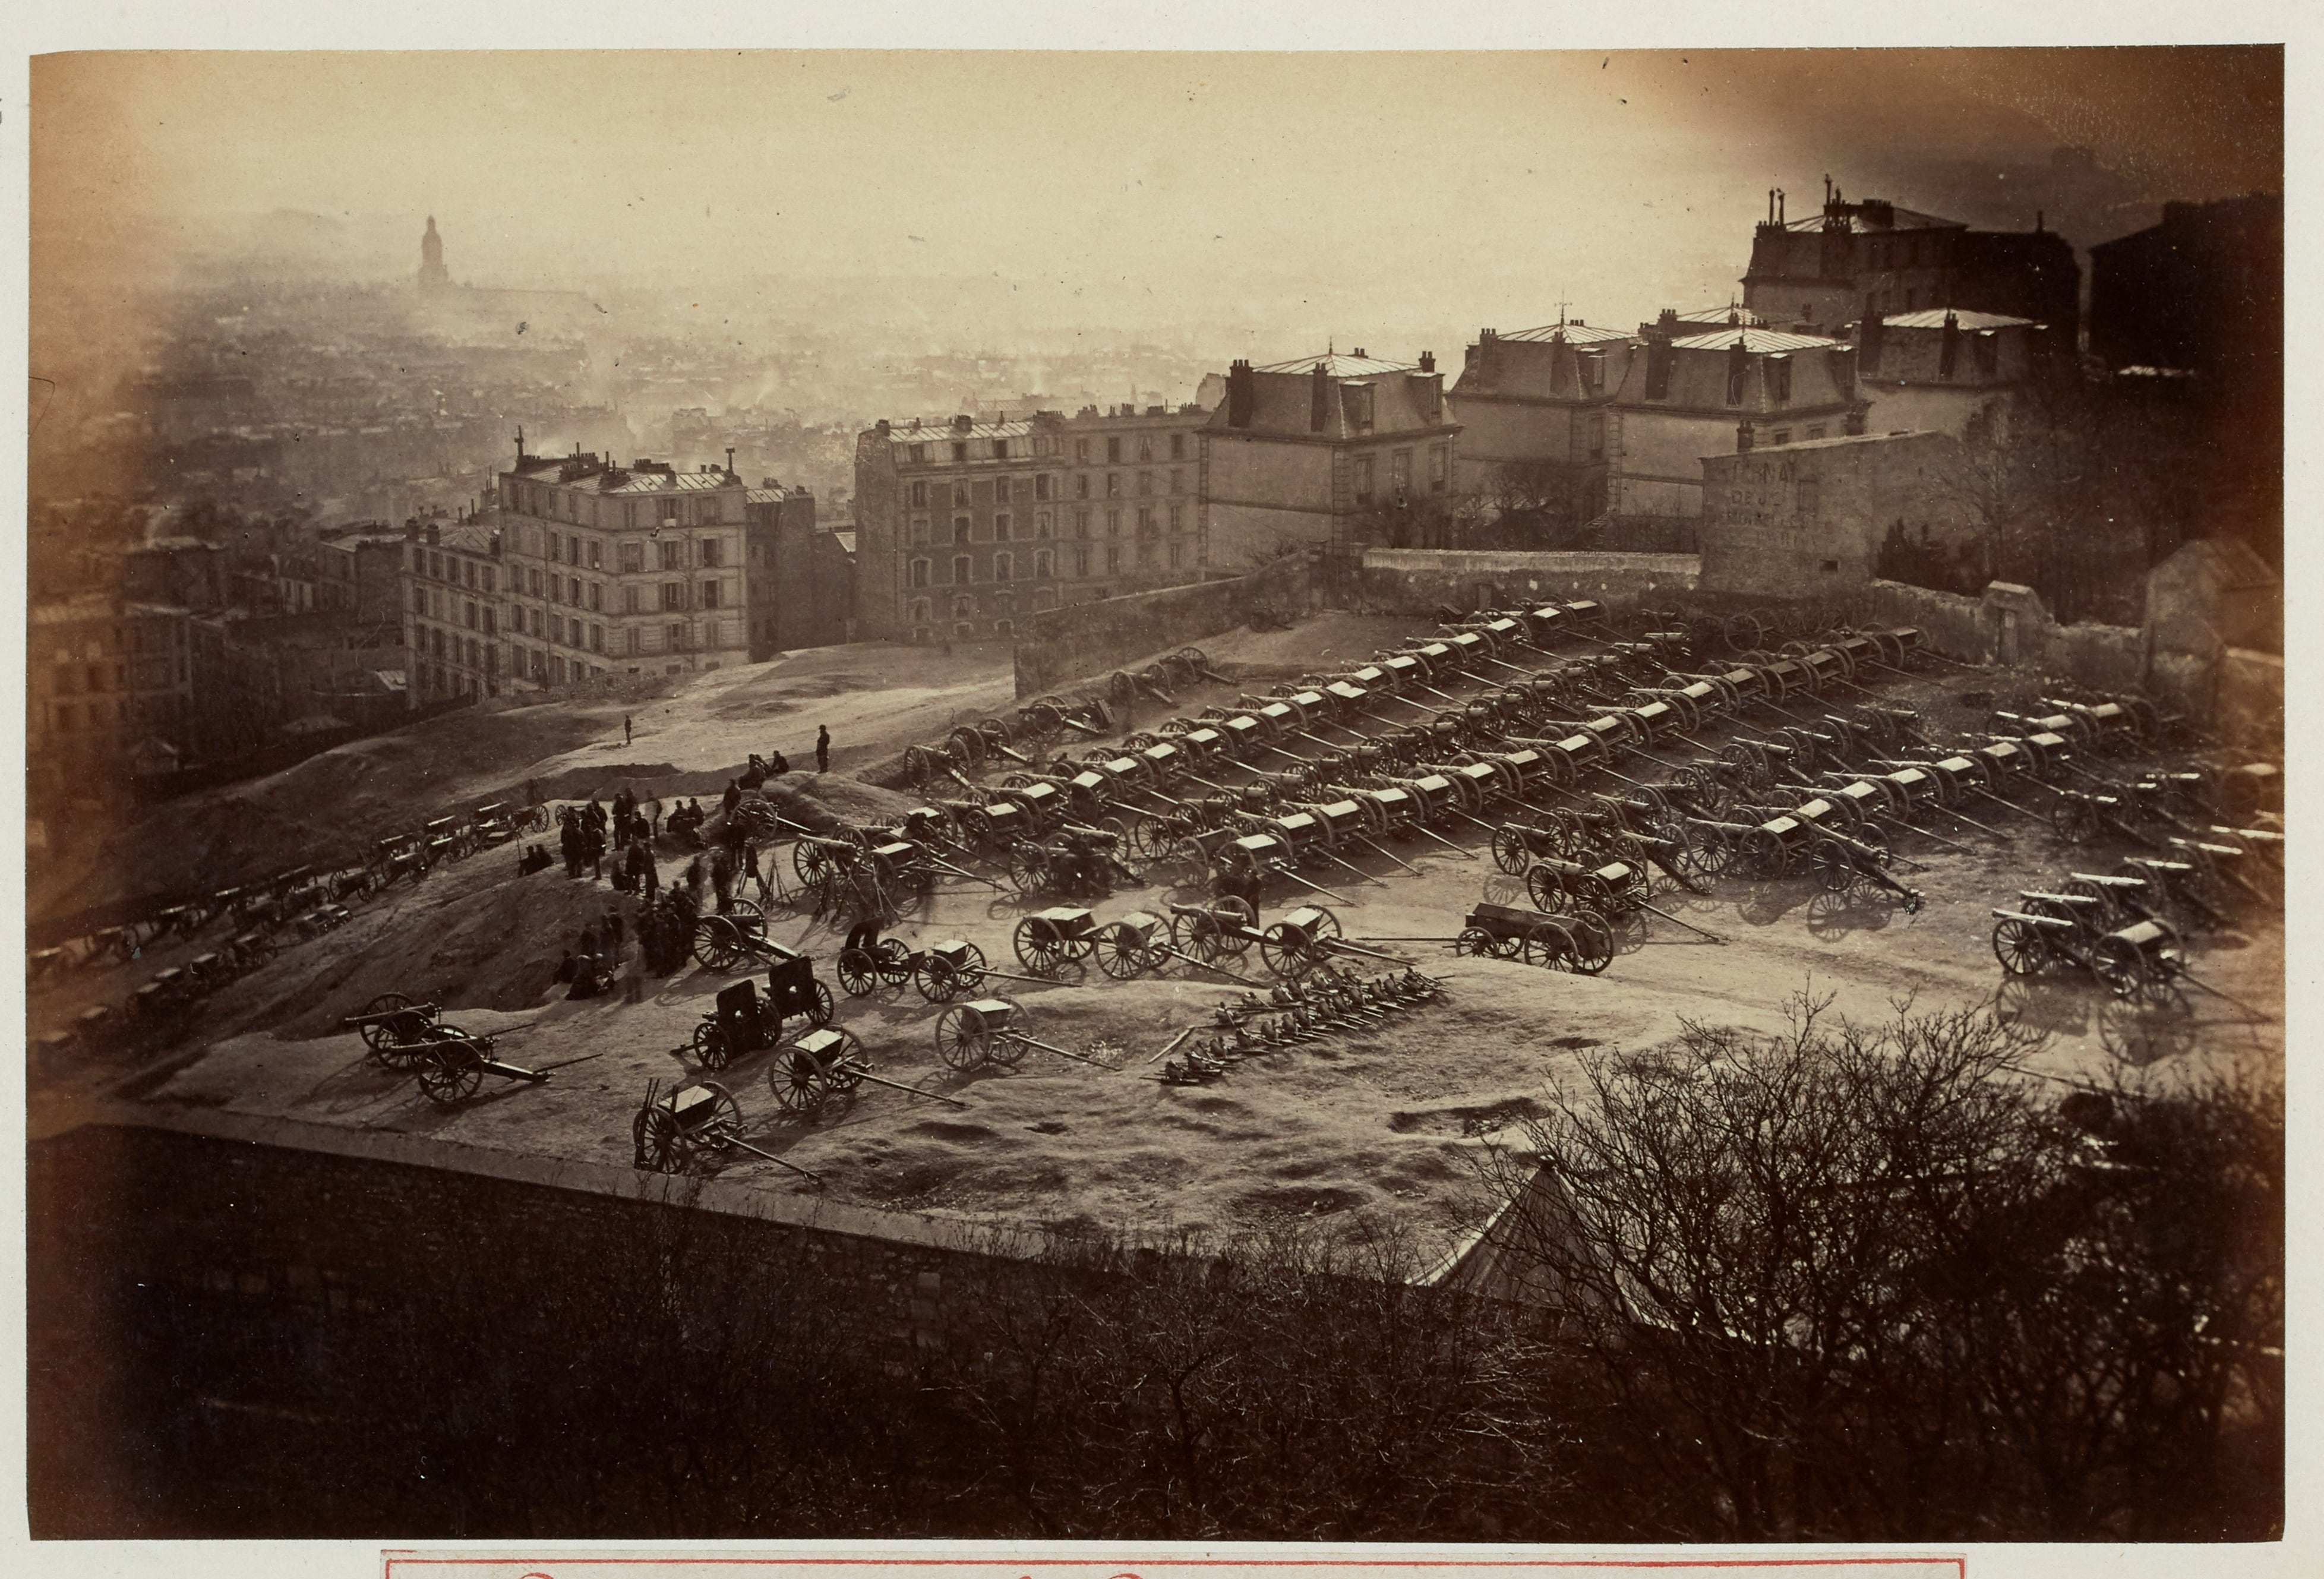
(1404, 189)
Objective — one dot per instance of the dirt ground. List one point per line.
(1384, 1123)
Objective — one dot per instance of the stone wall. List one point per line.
(2009, 624)
(1057, 647)
(1416, 581)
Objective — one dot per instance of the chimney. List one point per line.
(880, 427)
(1868, 341)
(1742, 437)
(730, 460)
(432, 534)
(1241, 393)
(962, 423)
(1319, 400)
(1428, 362)
(1738, 366)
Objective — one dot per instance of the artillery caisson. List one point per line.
(745, 1022)
(809, 1069)
(995, 1031)
(692, 1122)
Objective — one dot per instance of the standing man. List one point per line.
(822, 749)
(625, 729)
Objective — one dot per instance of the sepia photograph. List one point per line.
(1199, 795)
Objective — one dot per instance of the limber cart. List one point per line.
(689, 1122)
(988, 1031)
(942, 971)
(745, 1022)
(810, 1067)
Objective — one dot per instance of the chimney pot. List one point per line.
(1428, 362)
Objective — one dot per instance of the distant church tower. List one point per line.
(433, 276)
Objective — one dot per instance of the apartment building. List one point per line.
(962, 525)
(607, 569)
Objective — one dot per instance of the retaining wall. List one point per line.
(1089, 641)
(1416, 581)
(2009, 624)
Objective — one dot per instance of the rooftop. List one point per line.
(1845, 439)
(1933, 318)
(96, 605)
(1341, 364)
(626, 480)
(1574, 333)
(1754, 340)
(1880, 219)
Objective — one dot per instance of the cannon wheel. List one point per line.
(1038, 949)
(2117, 962)
(820, 1005)
(1288, 954)
(712, 1050)
(962, 1040)
(2021, 947)
(1835, 865)
(1120, 951)
(1476, 943)
(1548, 945)
(1593, 943)
(446, 1076)
(1511, 852)
(654, 1132)
(1545, 886)
(2076, 821)
(383, 1034)
(717, 943)
(859, 972)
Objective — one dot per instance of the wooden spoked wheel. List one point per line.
(655, 1134)
(449, 1074)
(2020, 946)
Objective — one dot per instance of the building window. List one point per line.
(1597, 447)
(960, 570)
(1041, 525)
(919, 493)
(673, 555)
(673, 596)
(1000, 490)
(1113, 449)
(467, 618)
(959, 452)
(1145, 484)
(960, 529)
(1080, 524)
(920, 611)
(1080, 451)
(536, 584)
(596, 597)
(713, 551)
(1112, 557)
(1146, 447)
(915, 452)
(573, 591)
(536, 624)
(1815, 433)
(1177, 518)
(1782, 435)
(710, 595)
(1363, 479)
(1177, 480)
(1177, 556)
(1000, 528)
(919, 531)
(1041, 486)
(1113, 523)
(1177, 450)
(490, 621)
(631, 600)
(596, 638)
(1081, 558)
(1002, 565)
(597, 555)
(1044, 565)
(1399, 471)
(1082, 486)
(1144, 521)
(676, 638)
(1779, 379)
(919, 573)
(1145, 554)
(631, 640)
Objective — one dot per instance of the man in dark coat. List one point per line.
(822, 749)
(734, 797)
(641, 870)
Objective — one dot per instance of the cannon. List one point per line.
(1843, 863)
(1616, 891)
(393, 1027)
(1582, 943)
(1046, 941)
(810, 1067)
(451, 1064)
(995, 1031)
(2141, 960)
(691, 1121)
